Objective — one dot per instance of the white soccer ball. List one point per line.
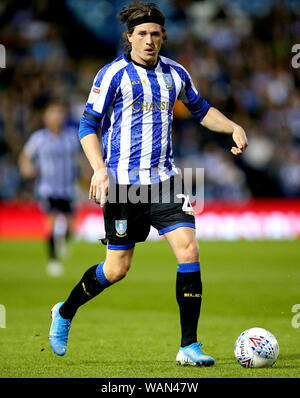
(256, 348)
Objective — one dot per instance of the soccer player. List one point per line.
(132, 100)
(50, 156)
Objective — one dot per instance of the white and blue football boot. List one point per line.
(192, 355)
(59, 331)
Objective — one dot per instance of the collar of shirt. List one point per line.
(149, 67)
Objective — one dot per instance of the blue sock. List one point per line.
(104, 282)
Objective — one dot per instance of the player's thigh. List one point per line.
(117, 263)
(183, 244)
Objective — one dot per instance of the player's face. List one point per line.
(146, 41)
(54, 117)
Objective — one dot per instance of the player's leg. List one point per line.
(188, 281)
(93, 282)
(54, 266)
(50, 238)
(63, 226)
(96, 279)
(188, 294)
(63, 234)
(57, 210)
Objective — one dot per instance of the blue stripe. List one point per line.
(114, 84)
(104, 135)
(136, 126)
(175, 226)
(104, 282)
(188, 267)
(172, 98)
(156, 123)
(121, 247)
(116, 134)
(197, 109)
(102, 71)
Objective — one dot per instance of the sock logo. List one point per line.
(192, 295)
(85, 291)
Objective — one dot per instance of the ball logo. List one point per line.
(255, 341)
(246, 362)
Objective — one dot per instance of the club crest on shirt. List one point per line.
(121, 227)
(168, 80)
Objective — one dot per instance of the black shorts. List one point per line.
(130, 212)
(52, 205)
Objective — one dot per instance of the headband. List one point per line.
(146, 19)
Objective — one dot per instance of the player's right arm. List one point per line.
(26, 166)
(26, 158)
(99, 182)
(101, 97)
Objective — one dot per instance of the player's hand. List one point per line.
(99, 186)
(239, 137)
(29, 171)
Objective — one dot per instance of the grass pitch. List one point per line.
(132, 329)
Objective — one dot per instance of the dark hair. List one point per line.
(138, 9)
(55, 102)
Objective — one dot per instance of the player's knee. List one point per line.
(119, 270)
(189, 252)
(119, 273)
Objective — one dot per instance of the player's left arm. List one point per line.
(215, 121)
(209, 116)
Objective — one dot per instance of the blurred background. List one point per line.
(239, 54)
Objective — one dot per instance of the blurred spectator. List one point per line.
(290, 174)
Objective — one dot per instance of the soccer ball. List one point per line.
(256, 348)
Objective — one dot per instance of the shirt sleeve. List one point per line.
(32, 145)
(102, 95)
(87, 126)
(189, 95)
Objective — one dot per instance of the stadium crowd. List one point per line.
(239, 59)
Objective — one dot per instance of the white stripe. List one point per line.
(125, 139)
(179, 84)
(111, 116)
(171, 62)
(147, 131)
(164, 95)
(105, 84)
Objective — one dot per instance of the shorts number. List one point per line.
(187, 206)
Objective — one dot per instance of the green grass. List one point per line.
(132, 329)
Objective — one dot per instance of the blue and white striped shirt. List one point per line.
(133, 104)
(56, 158)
